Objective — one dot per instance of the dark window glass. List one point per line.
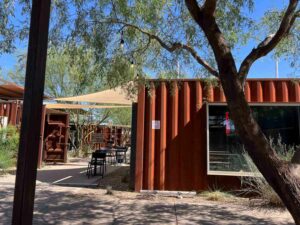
(225, 148)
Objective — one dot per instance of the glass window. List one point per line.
(224, 146)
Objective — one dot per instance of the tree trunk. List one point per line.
(279, 174)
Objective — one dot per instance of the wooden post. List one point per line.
(32, 113)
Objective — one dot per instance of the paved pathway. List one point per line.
(71, 205)
(71, 174)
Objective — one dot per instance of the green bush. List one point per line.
(9, 143)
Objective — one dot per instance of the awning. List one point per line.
(110, 96)
(12, 91)
(79, 106)
(9, 90)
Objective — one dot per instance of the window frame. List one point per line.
(232, 173)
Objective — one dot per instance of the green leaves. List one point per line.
(120, 116)
(289, 47)
(9, 143)
(92, 25)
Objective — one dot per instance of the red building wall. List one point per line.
(174, 157)
(13, 111)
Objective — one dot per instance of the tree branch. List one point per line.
(209, 7)
(172, 47)
(204, 17)
(271, 41)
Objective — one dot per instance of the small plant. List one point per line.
(284, 151)
(109, 190)
(216, 195)
(9, 143)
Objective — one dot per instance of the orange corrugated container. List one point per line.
(174, 157)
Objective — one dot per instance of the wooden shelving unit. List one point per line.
(56, 136)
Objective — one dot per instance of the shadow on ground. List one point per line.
(67, 205)
(222, 214)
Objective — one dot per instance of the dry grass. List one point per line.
(261, 189)
(216, 195)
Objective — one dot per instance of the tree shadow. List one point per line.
(61, 205)
(223, 214)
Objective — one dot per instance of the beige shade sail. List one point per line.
(110, 96)
(79, 106)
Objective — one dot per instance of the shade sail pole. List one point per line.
(32, 113)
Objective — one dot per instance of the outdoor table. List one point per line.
(108, 150)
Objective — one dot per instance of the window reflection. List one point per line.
(225, 148)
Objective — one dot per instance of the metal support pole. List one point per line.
(32, 113)
(133, 145)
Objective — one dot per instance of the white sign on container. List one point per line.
(155, 124)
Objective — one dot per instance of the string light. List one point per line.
(122, 42)
(132, 64)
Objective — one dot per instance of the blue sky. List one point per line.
(264, 67)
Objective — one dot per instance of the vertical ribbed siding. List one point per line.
(13, 114)
(162, 134)
(149, 139)
(140, 140)
(294, 92)
(269, 92)
(172, 152)
(11, 111)
(256, 91)
(247, 91)
(174, 157)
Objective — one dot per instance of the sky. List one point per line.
(262, 68)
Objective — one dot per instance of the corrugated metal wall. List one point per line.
(13, 111)
(174, 157)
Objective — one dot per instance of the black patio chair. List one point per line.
(121, 154)
(98, 159)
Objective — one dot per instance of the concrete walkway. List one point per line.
(71, 205)
(71, 174)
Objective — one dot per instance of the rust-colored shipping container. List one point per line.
(172, 130)
(12, 110)
(97, 136)
(54, 128)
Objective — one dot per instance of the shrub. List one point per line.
(284, 151)
(215, 195)
(257, 184)
(9, 143)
